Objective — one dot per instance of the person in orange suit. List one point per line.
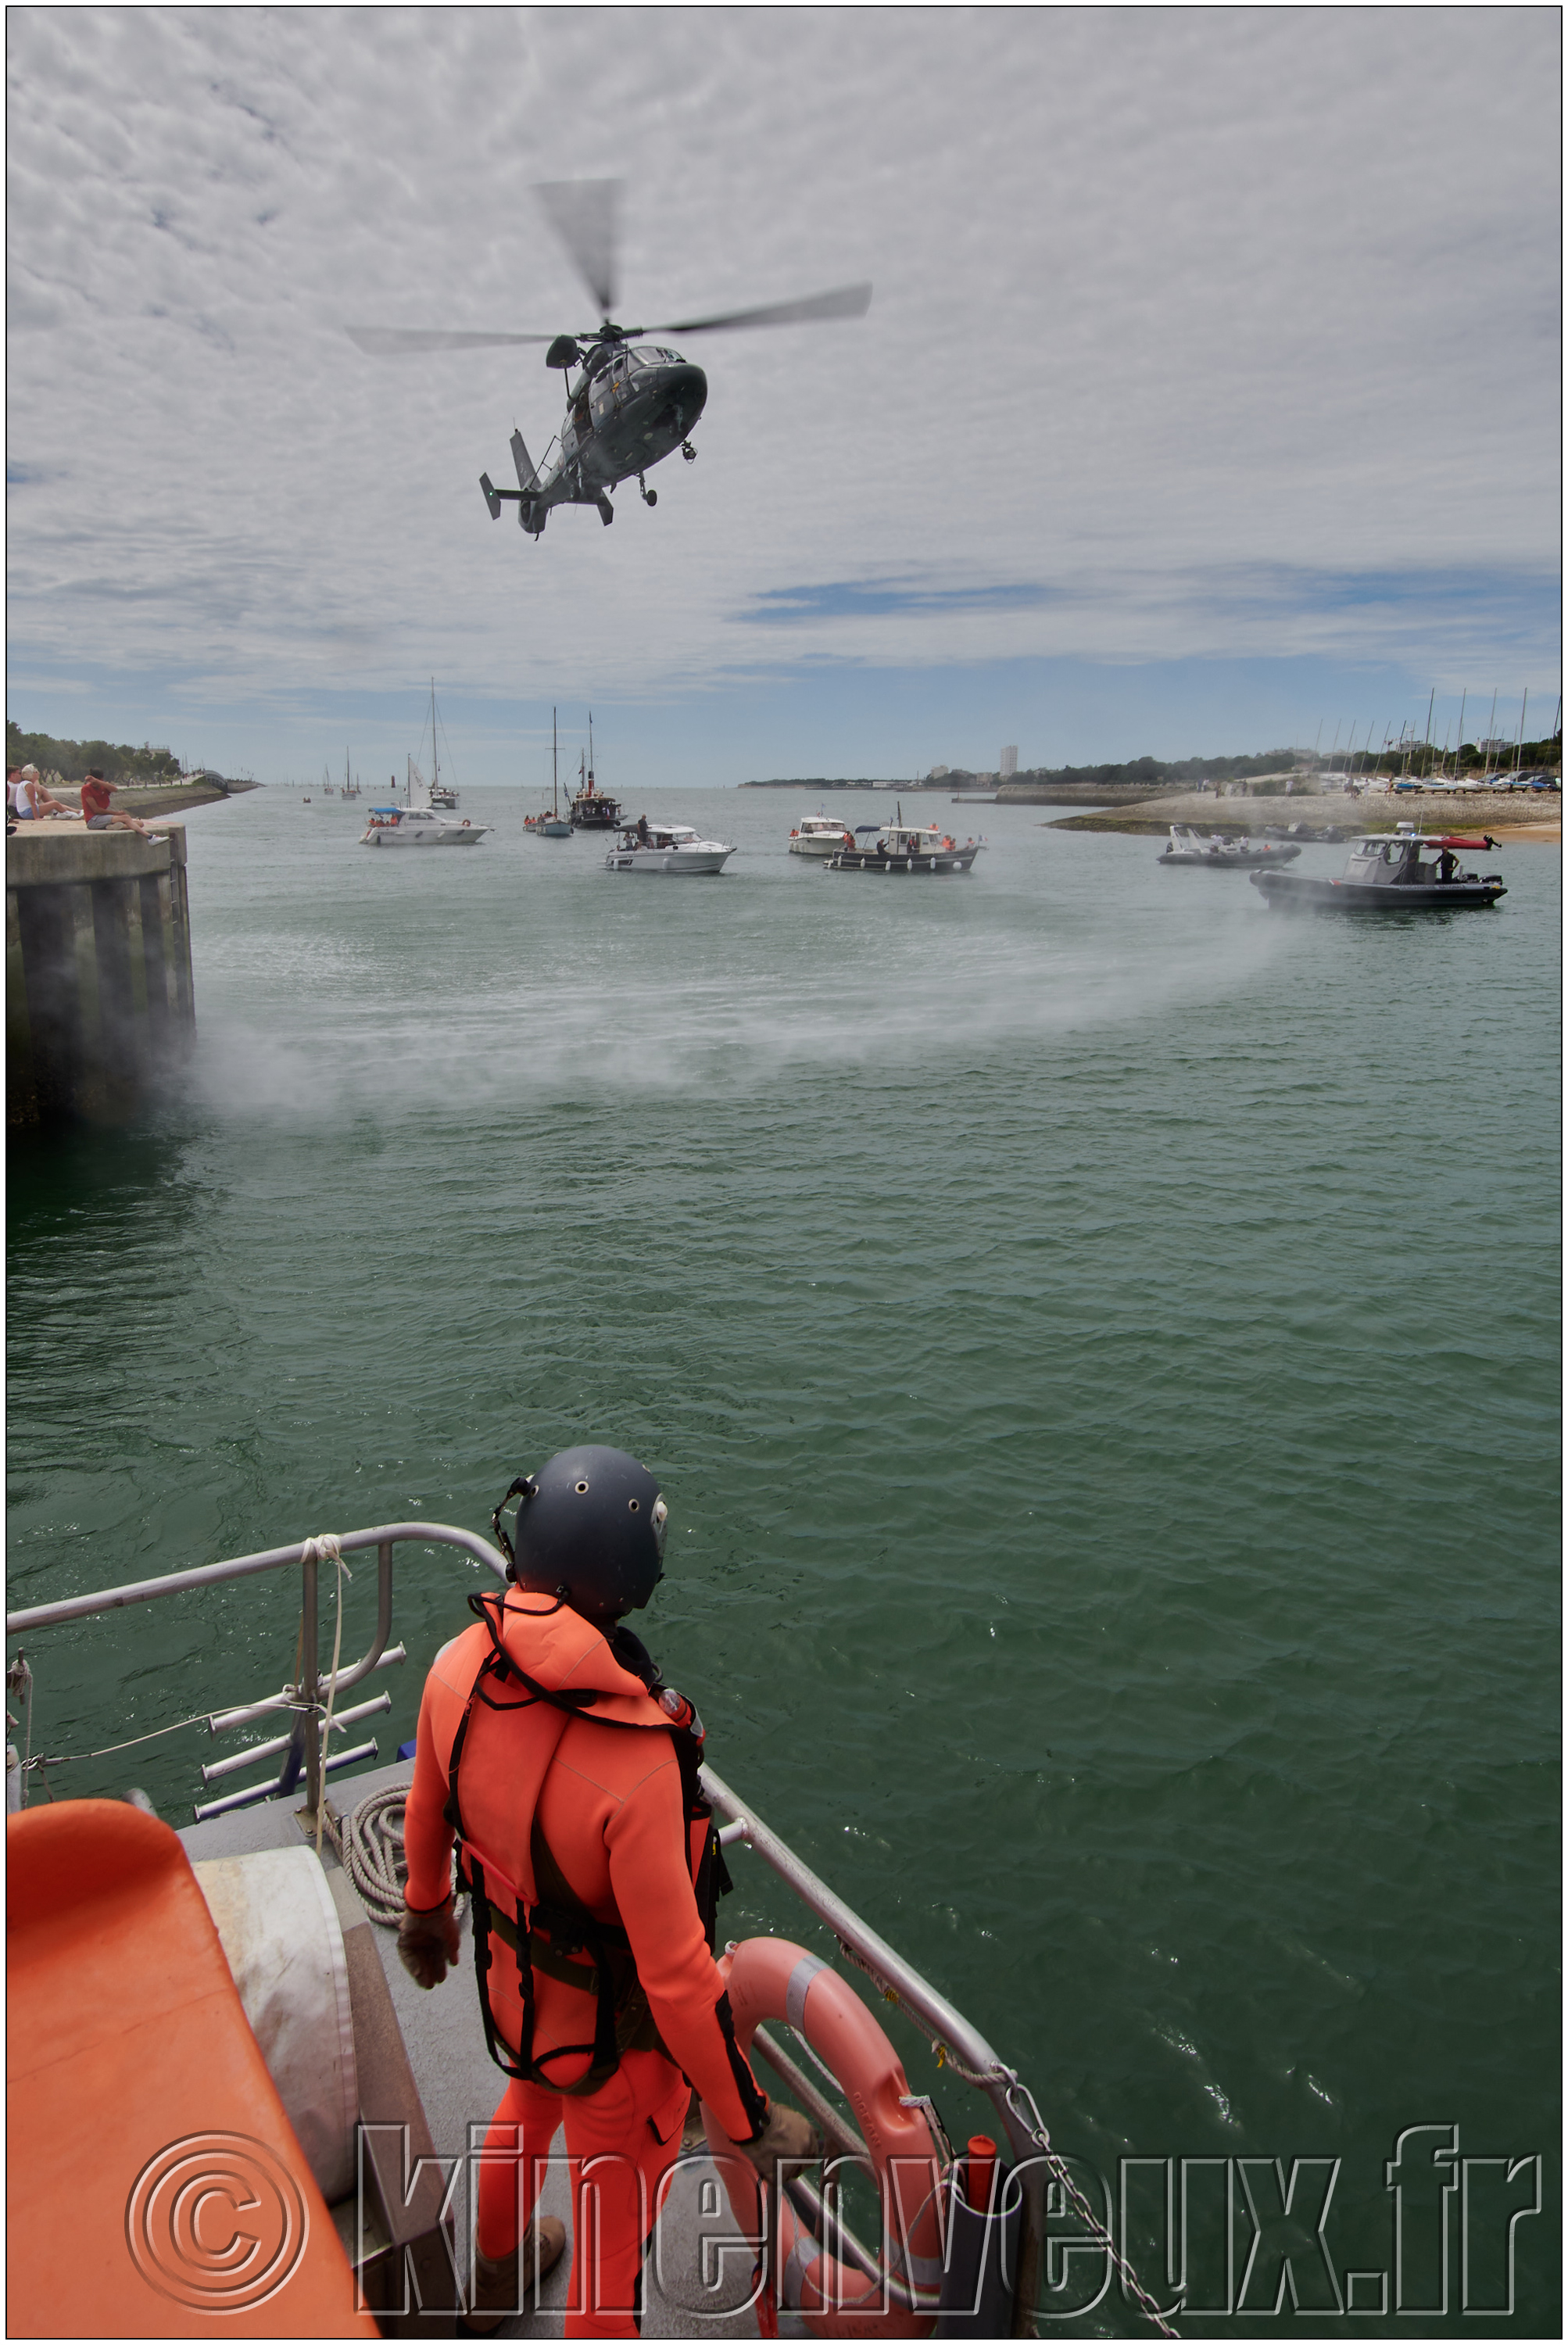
(551, 1749)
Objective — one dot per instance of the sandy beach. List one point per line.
(1509, 814)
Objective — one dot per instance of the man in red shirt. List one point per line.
(95, 809)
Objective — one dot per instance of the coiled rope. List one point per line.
(374, 1856)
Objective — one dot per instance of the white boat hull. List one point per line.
(821, 843)
(425, 835)
(697, 862)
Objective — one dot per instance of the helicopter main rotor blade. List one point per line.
(846, 302)
(583, 214)
(392, 341)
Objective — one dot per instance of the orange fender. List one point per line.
(771, 1978)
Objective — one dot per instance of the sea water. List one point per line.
(1097, 1339)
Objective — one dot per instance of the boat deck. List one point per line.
(460, 2086)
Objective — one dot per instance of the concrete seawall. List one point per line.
(99, 999)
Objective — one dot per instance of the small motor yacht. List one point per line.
(821, 835)
(1217, 851)
(901, 847)
(1386, 872)
(421, 825)
(667, 846)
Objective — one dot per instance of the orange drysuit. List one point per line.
(590, 1803)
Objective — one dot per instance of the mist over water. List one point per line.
(1097, 1339)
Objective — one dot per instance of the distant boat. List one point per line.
(392, 826)
(669, 848)
(591, 809)
(901, 848)
(550, 822)
(1385, 873)
(350, 784)
(440, 793)
(820, 834)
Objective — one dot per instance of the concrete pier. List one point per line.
(98, 999)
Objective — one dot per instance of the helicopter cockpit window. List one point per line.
(646, 357)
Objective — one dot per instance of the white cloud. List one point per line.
(1165, 300)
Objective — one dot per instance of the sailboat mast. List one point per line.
(590, 748)
(434, 752)
(554, 769)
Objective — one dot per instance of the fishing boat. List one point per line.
(592, 808)
(667, 846)
(820, 835)
(425, 826)
(1219, 851)
(550, 822)
(215, 2019)
(908, 848)
(1387, 871)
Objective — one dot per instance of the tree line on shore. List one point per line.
(117, 761)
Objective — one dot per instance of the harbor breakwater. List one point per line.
(99, 995)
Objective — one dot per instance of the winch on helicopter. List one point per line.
(635, 400)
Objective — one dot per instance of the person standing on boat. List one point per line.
(565, 1768)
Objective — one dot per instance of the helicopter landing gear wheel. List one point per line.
(688, 451)
(650, 496)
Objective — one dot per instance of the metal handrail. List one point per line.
(304, 1754)
(241, 1566)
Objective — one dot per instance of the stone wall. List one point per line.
(99, 999)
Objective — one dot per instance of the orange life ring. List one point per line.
(465, 823)
(769, 1978)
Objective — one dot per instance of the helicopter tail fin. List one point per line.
(491, 498)
(528, 471)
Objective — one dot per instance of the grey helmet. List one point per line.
(590, 1529)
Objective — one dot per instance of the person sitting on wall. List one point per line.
(95, 809)
(30, 801)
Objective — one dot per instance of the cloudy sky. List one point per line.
(1208, 394)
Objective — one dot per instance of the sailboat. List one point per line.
(351, 781)
(550, 822)
(442, 794)
(326, 782)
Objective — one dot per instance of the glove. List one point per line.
(427, 1943)
(786, 2135)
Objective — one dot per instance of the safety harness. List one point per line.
(623, 2020)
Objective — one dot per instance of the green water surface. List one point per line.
(1098, 1342)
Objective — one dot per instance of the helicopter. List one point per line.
(634, 400)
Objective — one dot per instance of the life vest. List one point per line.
(521, 1898)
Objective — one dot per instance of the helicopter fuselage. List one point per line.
(632, 405)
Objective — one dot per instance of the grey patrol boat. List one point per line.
(1388, 872)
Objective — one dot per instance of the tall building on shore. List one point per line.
(1009, 761)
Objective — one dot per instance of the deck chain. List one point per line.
(1023, 2108)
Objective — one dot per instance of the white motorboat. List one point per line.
(671, 847)
(421, 825)
(820, 834)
